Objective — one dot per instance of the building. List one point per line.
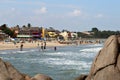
(51, 34)
(86, 32)
(35, 32)
(64, 35)
(29, 32)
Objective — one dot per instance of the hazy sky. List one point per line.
(73, 15)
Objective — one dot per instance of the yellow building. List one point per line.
(52, 34)
(43, 33)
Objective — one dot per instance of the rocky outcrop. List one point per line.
(41, 77)
(8, 72)
(106, 65)
(81, 77)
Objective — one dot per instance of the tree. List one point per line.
(95, 29)
(29, 25)
(24, 26)
(17, 26)
(7, 30)
(51, 28)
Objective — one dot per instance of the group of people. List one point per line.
(43, 46)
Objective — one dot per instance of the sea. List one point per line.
(66, 63)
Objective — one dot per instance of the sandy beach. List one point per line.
(11, 45)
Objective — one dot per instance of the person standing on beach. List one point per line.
(42, 46)
(55, 48)
(38, 46)
(21, 47)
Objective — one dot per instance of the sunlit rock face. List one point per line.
(106, 65)
(8, 72)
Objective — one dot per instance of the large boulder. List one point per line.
(81, 77)
(106, 65)
(41, 77)
(4, 77)
(8, 72)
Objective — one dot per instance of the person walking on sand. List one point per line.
(21, 47)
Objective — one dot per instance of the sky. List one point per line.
(72, 15)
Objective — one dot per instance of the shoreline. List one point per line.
(11, 45)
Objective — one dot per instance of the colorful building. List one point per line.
(32, 32)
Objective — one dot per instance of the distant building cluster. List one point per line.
(40, 33)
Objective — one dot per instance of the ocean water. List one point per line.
(66, 63)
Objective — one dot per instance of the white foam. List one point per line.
(95, 45)
(67, 53)
(91, 50)
(3, 52)
(68, 64)
(63, 61)
(26, 51)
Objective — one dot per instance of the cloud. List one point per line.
(42, 10)
(99, 16)
(75, 12)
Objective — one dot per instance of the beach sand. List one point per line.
(11, 45)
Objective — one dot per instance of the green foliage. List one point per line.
(29, 25)
(95, 29)
(96, 33)
(105, 34)
(6, 30)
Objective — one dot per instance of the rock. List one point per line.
(8, 72)
(41, 77)
(81, 77)
(4, 77)
(27, 77)
(106, 65)
(14, 73)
